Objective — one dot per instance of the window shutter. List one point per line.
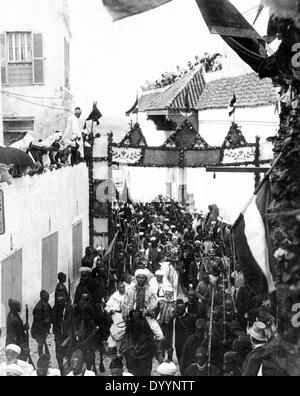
(38, 59)
(3, 58)
(67, 64)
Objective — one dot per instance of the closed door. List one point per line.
(77, 247)
(50, 263)
(11, 286)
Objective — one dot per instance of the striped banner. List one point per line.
(251, 239)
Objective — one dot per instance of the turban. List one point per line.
(167, 369)
(141, 272)
(85, 269)
(160, 273)
(14, 348)
(14, 369)
(169, 289)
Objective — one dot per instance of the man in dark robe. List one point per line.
(16, 330)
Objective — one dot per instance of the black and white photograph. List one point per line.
(149, 190)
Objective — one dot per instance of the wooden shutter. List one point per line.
(11, 282)
(38, 59)
(3, 54)
(77, 247)
(67, 64)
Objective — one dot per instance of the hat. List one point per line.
(169, 289)
(14, 369)
(173, 227)
(258, 331)
(85, 269)
(141, 272)
(153, 239)
(126, 374)
(167, 369)
(14, 348)
(160, 273)
(197, 242)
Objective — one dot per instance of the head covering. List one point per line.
(167, 369)
(258, 331)
(169, 289)
(141, 272)
(153, 239)
(14, 348)
(126, 374)
(14, 369)
(43, 361)
(85, 269)
(160, 273)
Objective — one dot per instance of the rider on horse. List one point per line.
(140, 298)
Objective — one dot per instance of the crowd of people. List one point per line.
(168, 290)
(211, 64)
(59, 149)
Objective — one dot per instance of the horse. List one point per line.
(138, 346)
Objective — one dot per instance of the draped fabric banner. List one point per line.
(224, 19)
(120, 9)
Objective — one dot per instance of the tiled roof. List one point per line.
(249, 89)
(184, 92)
(146, 100)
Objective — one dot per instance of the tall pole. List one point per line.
(211, 330)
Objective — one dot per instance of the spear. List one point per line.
(224, 309)
(211, 330)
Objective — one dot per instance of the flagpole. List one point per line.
(268, 174)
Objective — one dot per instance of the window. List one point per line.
(15, 129)
(20, 47)
(22, 58)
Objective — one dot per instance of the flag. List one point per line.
(232, 106)
(224, 19)
(95, 114)
(251, 238)
(120, 9)
(125, 197)
(111, 247)
(134, 108)
(259, 11)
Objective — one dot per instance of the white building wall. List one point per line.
(49, 17)
(36, 207)
(231, 191)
